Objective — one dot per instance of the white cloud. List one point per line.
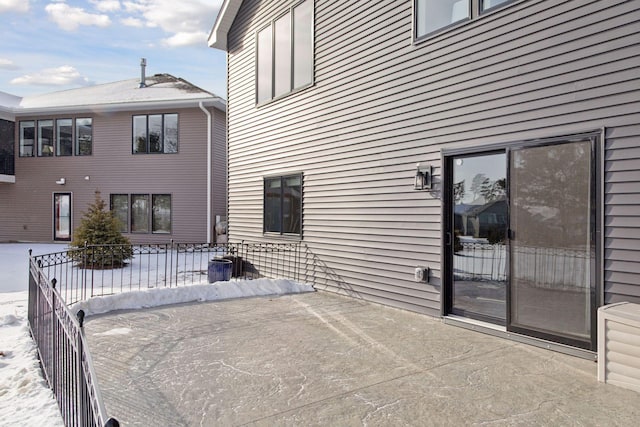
(70, 18)
(106, 5)
(7, 64)
(133, 7)
(185, 39)
(188, 24)
(132, 22)
(21, 6)
(61, 76)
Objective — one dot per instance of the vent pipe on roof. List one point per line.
(143, 79)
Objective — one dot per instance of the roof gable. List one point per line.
(224, 21)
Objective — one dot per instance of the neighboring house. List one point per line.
(332, 104)
(154, 148)
(483, 219)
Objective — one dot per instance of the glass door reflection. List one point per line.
(552, 251)
(478, 254)
(62, 216)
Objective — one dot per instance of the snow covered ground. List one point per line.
(25, 398)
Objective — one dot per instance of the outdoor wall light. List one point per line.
(423, 177)
(87, 178)
(61, 181)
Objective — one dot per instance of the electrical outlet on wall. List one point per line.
(421, 274)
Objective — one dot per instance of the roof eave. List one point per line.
(215, 102)
(7, 114)
(224, 21)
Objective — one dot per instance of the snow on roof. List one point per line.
(159, 88)
(8, 103)
(8, 100)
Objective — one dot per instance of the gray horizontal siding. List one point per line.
(219, 164)
(380, 104)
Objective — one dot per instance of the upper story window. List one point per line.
(156, 133)
(45, 138)
(56, 137)
(84, 137)
(27, 138)
(64, 137)
(432, 16)
(285, 53)
(283, 204)
(7, 144)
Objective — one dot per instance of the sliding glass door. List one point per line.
(552, 252)
(478, 255)
(520, 232)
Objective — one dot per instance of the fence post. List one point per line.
(30, 302)
(54, 353)
(83, 414)
(84, 272)
(171, 264)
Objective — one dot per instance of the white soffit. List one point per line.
(226, 16)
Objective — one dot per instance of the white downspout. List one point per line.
(208, 114)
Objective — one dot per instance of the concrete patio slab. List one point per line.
(323, 359)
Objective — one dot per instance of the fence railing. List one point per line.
(63, 352)
(58, 280)
(97, 270)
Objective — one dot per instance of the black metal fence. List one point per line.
(62, 349)
(97, 270)
(58, 280)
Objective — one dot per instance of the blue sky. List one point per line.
(52, 45)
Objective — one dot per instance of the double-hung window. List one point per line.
(432, 16)
(285, 53)
(155, 133)
(283, 204)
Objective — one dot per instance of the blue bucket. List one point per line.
(220, 270)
